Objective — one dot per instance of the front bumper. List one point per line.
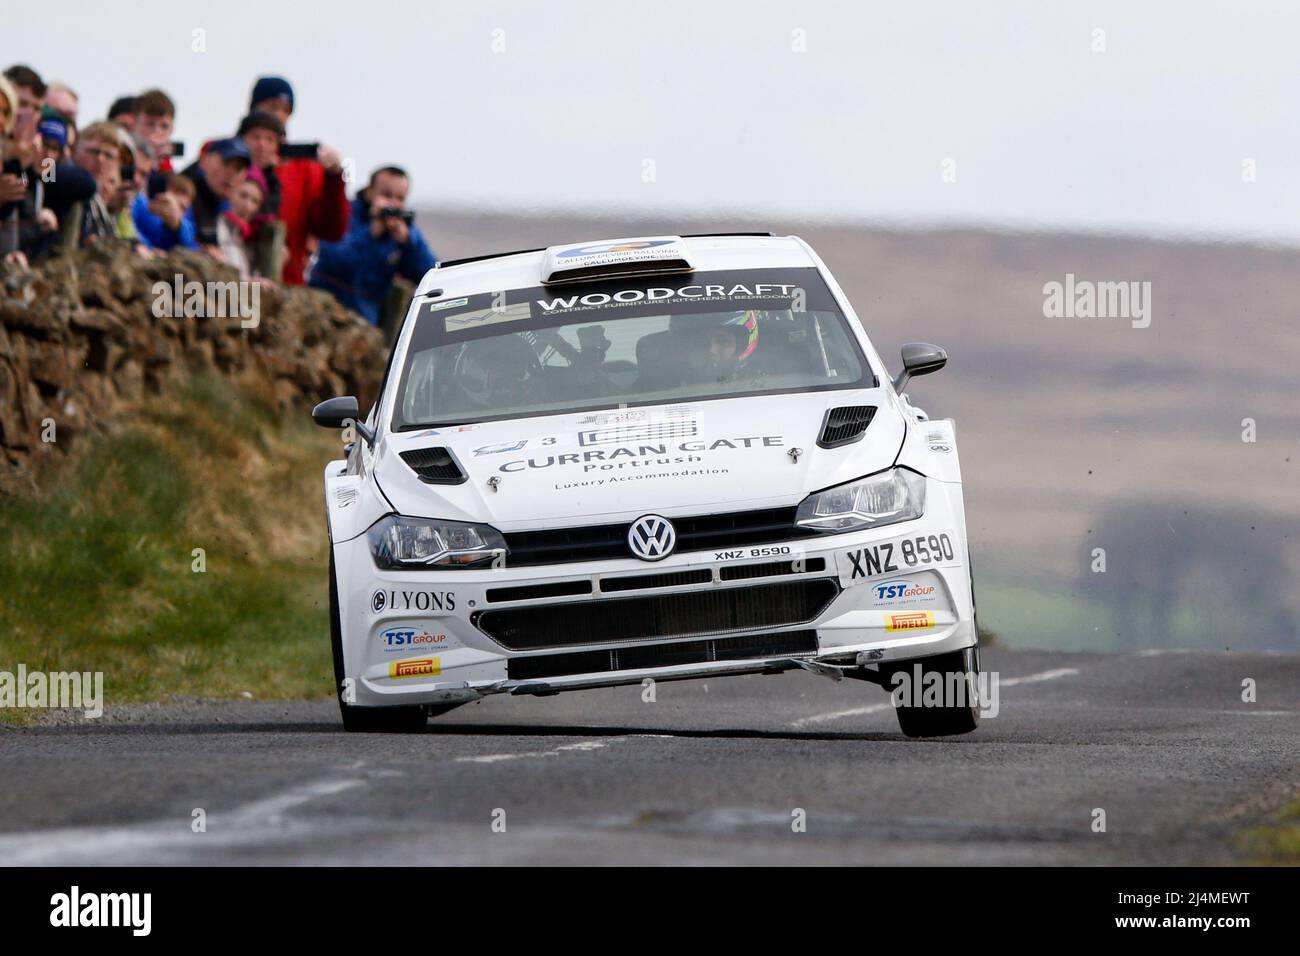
(896, 593)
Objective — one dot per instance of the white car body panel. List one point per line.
(741, 448)
(732, 438)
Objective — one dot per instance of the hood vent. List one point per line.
(435, 466)
(845, 425)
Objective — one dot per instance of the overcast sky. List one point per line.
(815, 109)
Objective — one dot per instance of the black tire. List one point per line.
(941, 721)
(365, 720)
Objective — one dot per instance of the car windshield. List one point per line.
(639, 341)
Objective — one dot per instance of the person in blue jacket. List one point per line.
(160, 219)
(382, 242)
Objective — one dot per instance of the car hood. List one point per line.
(603, 467)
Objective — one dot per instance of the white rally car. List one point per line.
(655, 458)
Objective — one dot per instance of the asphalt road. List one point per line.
(710, 772)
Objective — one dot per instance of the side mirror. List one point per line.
(340, 413)
(336, 412)
(919, 359)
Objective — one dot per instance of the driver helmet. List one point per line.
(743, 325)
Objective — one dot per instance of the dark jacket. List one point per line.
(271, 200)
(205, 212)
(70, 184)
(359, 270)
(66, 185)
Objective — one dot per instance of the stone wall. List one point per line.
(86, 335)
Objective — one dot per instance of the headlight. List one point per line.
(399, 543)
(887, 498)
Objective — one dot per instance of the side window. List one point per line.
(418, 402)
(840, 360)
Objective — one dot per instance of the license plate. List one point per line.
(858, 565)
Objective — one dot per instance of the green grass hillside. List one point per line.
(97, 568)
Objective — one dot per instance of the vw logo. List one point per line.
(651, 538)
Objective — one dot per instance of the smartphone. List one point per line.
(157, 185)
(177, 148)
(299, 150)
(24, 125)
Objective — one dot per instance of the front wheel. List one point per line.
(365, 720)
(951, 678)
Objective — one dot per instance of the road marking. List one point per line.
(1035, 678)
(257, 823)
(1056, 674)
(582, 746)
(272, 809)
(836, 715)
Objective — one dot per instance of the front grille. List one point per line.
(531, 592)
(670, 579)
(689, 614)
(435, 466)
(694, 533)
(746, 647)
(771, 569)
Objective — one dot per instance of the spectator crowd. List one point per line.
(275, 210)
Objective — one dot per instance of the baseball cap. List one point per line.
(53, 129)
(231, 148)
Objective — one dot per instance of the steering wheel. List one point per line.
(489, 368)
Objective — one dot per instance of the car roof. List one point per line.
(519, 270)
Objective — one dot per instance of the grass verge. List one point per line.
(1277, 842)
(98, 569)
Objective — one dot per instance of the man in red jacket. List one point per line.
(313, 200)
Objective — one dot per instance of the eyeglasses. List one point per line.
(105, 152)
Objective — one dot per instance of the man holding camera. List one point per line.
(383, 242)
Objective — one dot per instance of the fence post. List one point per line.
(270, 250)
(70, 228)
(394, 308)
